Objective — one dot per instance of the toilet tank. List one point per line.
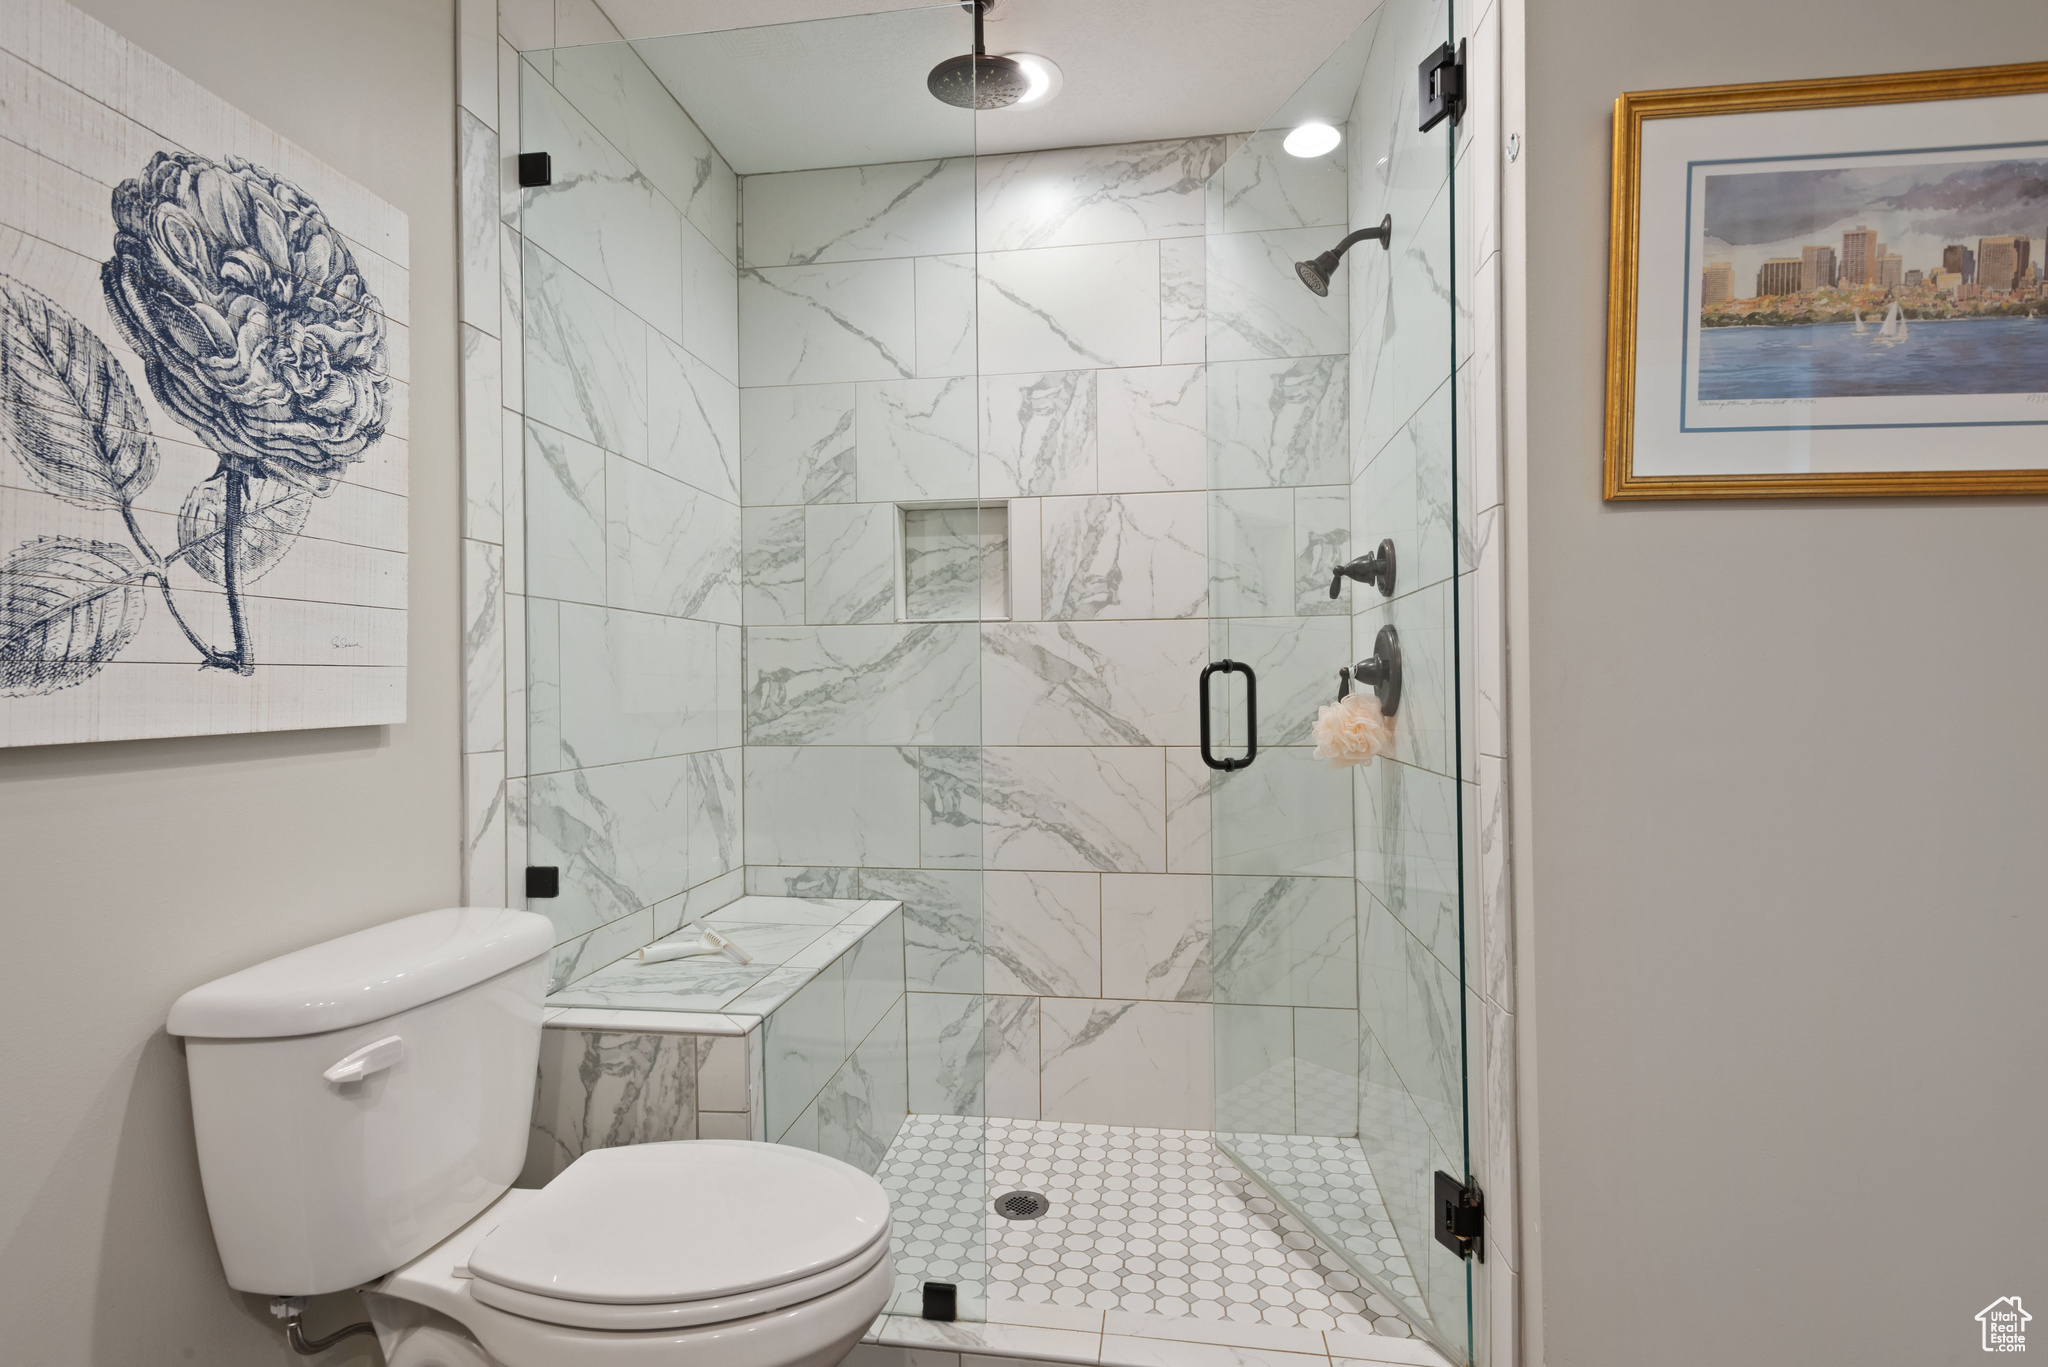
(359, 1101)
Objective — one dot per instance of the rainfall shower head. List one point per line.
(1316, 273)
(977, 80)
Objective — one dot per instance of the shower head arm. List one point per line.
(980, 8)
(1383, 234)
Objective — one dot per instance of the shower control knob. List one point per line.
(1376, 569)
(1379, 671)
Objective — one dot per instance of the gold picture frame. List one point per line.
(1638, 110)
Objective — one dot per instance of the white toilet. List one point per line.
(362, 1108)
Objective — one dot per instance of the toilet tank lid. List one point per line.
(365, 976)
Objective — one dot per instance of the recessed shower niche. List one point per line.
(874, 545)
(953, 562)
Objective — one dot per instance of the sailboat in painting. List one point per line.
(1861, 326)
(1893, 330)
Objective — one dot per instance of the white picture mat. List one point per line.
(1668, 302)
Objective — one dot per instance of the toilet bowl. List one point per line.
(710, 1253)
(362, 1105)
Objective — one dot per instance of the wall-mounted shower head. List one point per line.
(977, 80)
(1316, 273)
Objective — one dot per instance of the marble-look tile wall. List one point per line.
(1284, 905)
(600, 1088)
(1405, 805)
(488, 338)
(620, 447)
(1030, 329)
(1424, 471)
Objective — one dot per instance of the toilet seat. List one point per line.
(682, 1314)
(751, 1233)
(676, 1235)
(816, 1333)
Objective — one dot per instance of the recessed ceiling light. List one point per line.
(1312, 140)
(1043, 75)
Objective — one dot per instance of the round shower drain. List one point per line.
(1021, 1205)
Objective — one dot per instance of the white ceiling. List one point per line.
(852, 91)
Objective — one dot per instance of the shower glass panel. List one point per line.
(1335, 893)
(756, 557)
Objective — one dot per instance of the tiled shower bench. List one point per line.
(805, 1045)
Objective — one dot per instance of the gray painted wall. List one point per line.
(134, 871)
(1780, 828)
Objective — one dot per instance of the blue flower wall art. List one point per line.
(205, 415)
(258, 334)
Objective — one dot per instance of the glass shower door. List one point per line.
(1337, 930)
(754, 544)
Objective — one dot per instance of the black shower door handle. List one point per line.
(1251, 708)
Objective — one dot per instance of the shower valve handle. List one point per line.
(1376, 569)
(1379, 671)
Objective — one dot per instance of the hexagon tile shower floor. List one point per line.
(1152, 1221)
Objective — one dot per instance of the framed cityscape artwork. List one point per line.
(1830, 288)
(202, 409)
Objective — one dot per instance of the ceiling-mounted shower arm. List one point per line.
(1316, 274)
(977, 80)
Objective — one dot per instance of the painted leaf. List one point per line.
(66, 407)
(67, 606)
(273, 513)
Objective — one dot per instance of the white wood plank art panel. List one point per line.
(203, 444)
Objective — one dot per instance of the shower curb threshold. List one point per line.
(1019, 1334)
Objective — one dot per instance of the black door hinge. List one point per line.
(1442, 81)
(536, 169)
(1460, 1217)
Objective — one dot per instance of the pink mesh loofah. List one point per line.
(1352, 731)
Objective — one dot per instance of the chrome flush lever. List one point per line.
(371, 1059)
(1376, 569)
